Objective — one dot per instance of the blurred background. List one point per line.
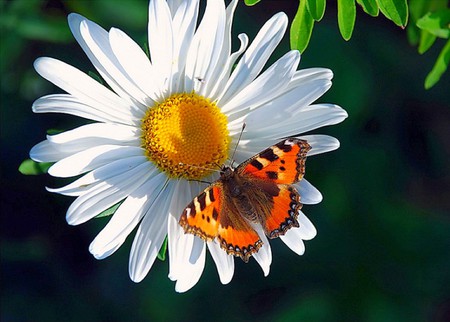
(382, 252)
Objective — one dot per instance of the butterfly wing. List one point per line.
(273, 171)
(211, 215)
(201, 216)
(282, 163)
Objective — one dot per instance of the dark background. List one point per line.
(382, 252)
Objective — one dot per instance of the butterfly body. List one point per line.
(257, 192)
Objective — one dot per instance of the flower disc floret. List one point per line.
(186, 136)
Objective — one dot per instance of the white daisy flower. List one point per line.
(163, 121)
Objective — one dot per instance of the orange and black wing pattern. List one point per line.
(209, 216)
(275, 170)
(282, 163)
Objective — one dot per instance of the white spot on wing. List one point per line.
(289, 142)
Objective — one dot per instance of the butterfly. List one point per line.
(258, 191)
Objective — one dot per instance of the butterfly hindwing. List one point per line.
(282, 163)
(236, 236)
(208, 216)
(284, 213)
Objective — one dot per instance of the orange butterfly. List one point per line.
(258, 191)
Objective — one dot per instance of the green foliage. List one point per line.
(436, 23)
(30, 167)
(301, 28)
(395, 10)
(309, 11)
(110, 211)
(369, 6)
(163, 250)
(251, 2)
(346, 17)
(316, 8)
(439, 67)
(430, 21)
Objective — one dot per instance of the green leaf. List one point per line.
(30, 167)
(301, 28)
(110, 211)
(162, 251)
(436, 23)
(439, 67)
(316, 8)
(426, 41)
(395, 10)
(370, 7)
(251, 2)
(346, 17)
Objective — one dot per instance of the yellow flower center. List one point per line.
(186, 136)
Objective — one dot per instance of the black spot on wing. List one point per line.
(215, 214)
(202, 200)
(211, 195)
(272, 175)
(258, 165)
(284, 147)
(269, 155)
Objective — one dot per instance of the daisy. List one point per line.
(163, 121)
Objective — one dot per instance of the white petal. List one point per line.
(264, 254)
(224, 262)
(221, 72)
(256, 56)
(310, 75)
(180, 244)
(106, 194)
(89, 180)
(150, 235)
(266, 86)
(300, 121)
(95, 42)
(193, 268)
(103, 133)
(92, 158)
(127, 217)
(160, 43)
(283, 107)
(219, 88)
(65, 144)
(294, 241)
(309, 194)
(84, 87)
(320, 143)
(45, 152)
(135, 63)
(175, 4)
(205, 48)
(183, 25)
(307, 230)
(69, 104)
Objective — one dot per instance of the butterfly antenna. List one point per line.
(237, 143)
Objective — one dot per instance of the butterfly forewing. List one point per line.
(201, 216)
(282, 163)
